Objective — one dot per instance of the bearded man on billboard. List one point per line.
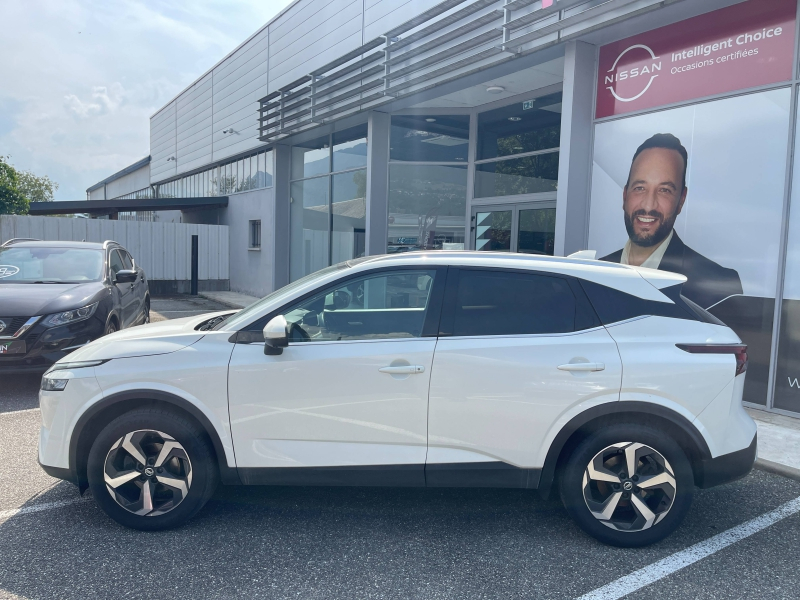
(652, 199)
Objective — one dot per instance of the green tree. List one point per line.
(12, 199)
(36, 188)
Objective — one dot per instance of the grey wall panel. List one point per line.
(382, 15)
(310, 34)
(132, 182)
(162, 249)
(241, 83)
(250, 270)
(95, 195)
(241, 98)
(315, 21)
(310, 58)
(162, 147)
(193, 130)
(244, 62)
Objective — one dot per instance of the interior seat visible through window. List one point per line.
(385, 306)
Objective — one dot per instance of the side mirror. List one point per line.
(125, 276)
(276, 336)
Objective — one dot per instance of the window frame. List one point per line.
(251, 229)
(447, 320)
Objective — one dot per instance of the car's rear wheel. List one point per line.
(151, 469)
(146, 309)
(628, 485)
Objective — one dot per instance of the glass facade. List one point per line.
(427, 207)
(328, 209)
(517, 148)
(249, 173)
(428, 182)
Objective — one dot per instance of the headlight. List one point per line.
(71, 316)
(54, 385)
(70, 366)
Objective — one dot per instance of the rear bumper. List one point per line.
(728, 467)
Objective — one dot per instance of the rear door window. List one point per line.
(512, 303)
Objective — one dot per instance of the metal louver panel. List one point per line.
(449, 41)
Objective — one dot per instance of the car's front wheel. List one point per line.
(151, 469)
(628, 485)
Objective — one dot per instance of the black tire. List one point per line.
(669, 503)
(146, 310)
(111, 327)
(194, 445)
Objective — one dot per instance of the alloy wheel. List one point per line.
(148, 473)
(629, 486)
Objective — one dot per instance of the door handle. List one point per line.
(403, 370)
(587, 366)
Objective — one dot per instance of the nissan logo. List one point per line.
(646, 71)
(3, 326)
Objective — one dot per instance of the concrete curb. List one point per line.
(777, 469)
(227, 303)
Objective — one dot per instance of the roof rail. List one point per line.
(13, 241)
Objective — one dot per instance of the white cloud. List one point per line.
(103, 101)
(80, 78)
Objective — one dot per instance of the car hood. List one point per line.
(36, 299)
(163, 337)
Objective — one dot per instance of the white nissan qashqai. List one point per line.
(425, 369)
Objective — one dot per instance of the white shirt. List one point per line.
(654, 260)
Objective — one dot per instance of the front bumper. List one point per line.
(46, 345)
(728, 467)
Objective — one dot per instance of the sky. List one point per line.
(79, 79)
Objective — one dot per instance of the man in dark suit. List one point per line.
(652, 199)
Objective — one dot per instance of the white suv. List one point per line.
(424, 369)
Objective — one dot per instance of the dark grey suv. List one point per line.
(57, 296)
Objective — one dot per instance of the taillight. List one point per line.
(740, 350)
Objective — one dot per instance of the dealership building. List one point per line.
(345, 128)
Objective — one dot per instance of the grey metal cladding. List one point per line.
(164, 146)
(193, 129)
(241, 87)
(328, 29)
(238, 84)
(255, 50)
(130, 182)
(382, 15)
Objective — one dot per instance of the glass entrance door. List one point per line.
(528, 228)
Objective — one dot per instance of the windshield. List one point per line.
(50, 265)
(246, 314)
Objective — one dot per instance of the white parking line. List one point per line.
(666, 566)
(33, 508)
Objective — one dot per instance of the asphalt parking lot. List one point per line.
(282, 542)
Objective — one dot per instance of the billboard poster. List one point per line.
(699, 190)
(746, 45)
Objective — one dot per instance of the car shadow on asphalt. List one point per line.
(348, 542)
